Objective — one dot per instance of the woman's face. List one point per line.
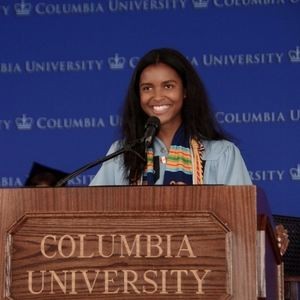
(161, 94)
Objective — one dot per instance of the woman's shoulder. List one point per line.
(214, 149)
(116, 145)
(225, 164)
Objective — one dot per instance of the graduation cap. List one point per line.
(41, 175)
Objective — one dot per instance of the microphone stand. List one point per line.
(126, 148)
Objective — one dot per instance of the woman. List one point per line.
(189, 148)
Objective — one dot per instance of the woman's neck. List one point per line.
(166, 134)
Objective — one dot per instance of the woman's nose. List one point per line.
(158, 94)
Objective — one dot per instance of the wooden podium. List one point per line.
(137, 242)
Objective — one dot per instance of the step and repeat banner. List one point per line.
(65, 66)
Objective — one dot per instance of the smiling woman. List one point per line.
(161, 94)
(190, 147)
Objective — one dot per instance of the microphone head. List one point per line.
(151, 129)
(153, 121)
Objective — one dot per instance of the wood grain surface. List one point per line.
(220, 222)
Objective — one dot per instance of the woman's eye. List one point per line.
(146, 88)
(169, 86)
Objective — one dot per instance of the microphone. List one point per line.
(126, 148)
(151, 129)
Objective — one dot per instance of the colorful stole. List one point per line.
(184, 163)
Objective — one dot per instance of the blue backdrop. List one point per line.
(65, 66)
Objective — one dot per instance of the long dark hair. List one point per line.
(198, 118)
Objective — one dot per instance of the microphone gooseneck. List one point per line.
(151, 128)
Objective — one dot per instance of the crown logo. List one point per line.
(23, 8)
(200, 3)
(295, 55)
(116, 62)
(295, 172)
(24, 122)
